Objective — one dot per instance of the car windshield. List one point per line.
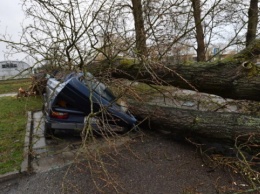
(98, 87)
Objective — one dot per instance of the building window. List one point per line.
(10, 65)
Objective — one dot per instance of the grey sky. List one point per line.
(11, 18)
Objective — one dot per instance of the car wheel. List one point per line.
(48, 131)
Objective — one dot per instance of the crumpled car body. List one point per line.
(78, 100)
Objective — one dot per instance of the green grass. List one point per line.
(8, 86)
(13, 119)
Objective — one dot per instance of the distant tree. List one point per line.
(60, 32)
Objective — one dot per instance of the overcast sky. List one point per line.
(11, 18)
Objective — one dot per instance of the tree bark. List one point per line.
(139, 28)
(220, 126)
(168, 96)
(199, 30)
(193, 114)
(252, 22)
(236, 77)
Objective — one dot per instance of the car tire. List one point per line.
(48, 131)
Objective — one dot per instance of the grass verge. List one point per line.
(8, 86)
(13, 119)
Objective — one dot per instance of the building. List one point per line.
(14, 70)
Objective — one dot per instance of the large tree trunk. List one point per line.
(188, 113)
(220, 126)
(236, 77)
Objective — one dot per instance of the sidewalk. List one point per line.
(9, 94)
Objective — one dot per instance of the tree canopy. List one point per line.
(78, 32)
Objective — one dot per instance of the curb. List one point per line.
(25, 167)
(27, 143)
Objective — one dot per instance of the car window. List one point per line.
(102, 90)
(91, 82)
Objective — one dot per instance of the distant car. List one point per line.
(68, 104)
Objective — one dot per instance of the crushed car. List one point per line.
(68, 104)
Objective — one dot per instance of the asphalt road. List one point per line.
(147, 162)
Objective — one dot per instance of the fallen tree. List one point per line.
(221, 126)
(199, 116)
(188, 113)
(222, 135)
(235, 77)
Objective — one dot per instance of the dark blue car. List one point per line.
(80, 100)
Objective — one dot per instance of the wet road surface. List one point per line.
(141, 162)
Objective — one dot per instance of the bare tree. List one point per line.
(252, 22)
(199, 30)
(60, 32)
(79, 30)
(140, 32)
